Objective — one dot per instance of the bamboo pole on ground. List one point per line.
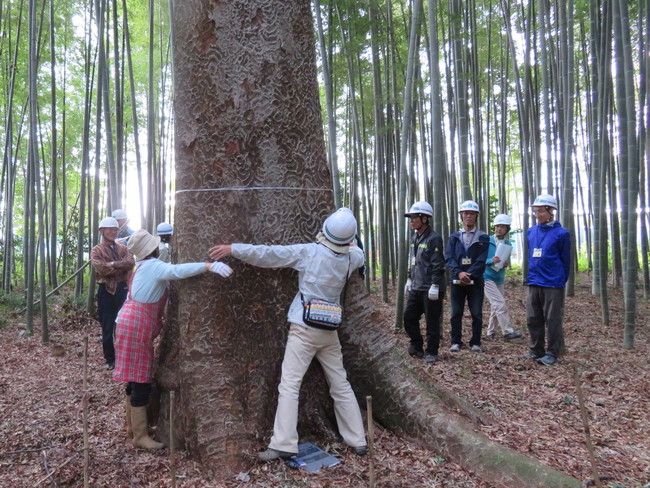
(585, 423)
(172, 460)
(85, 413)
(371, 444)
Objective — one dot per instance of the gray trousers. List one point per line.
(544, 313)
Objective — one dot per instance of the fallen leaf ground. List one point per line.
(531, 408)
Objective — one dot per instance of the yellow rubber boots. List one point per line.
(141, 438)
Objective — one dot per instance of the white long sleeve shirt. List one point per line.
(322, 273)
(153, 276)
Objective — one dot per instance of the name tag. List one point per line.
(537, 252)
(413, 261)
(466, 261)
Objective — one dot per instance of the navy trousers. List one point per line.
(107, 308)
(473, 295)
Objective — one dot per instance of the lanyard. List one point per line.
(539, 245)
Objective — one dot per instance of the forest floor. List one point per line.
(533, 409)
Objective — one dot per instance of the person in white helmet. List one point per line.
(323, 269)
(495, 277)
(466, 254)
(122, 221)
(425, 287)
(549, 264)
(112, 264)
(165, 231)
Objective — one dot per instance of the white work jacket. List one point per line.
(322, 273)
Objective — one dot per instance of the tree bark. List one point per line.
(251, 167)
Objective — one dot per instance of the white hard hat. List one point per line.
(164, 229)
(340, 227)
(470, 205)
(141, 243)
(545, 200)
(108, 222)
(420, 208)
(502, 219)
(119, 214)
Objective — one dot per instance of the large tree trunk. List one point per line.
(251, 168)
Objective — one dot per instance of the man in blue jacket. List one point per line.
(465, 255)
(549, 263)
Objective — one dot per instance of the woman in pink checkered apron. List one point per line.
(139, 322)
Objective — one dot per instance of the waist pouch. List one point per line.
(322, 314)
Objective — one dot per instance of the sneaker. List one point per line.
(476, 348)
(431, 358)
(530, 355)
(273, 454)
(548, 360)
(110, 366)
(511, 335)
(361, 450)
(454, 348)
(416, 351)
(491, 337)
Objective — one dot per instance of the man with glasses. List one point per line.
(425, 287)
(466, 255)
(549, 263)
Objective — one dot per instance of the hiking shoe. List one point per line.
(454, 348)
(416, 351)
(548, 360)
(431, 358)
(361, 450)
(110, 366)
(491, 337)
(530, 355)
(476, 348)
(272, 454)
(511, 335)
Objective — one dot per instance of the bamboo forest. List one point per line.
(494, 101)
(160, 109)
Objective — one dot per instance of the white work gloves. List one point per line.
(221, 269)
(433, 292)
(407, 286)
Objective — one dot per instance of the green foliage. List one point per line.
(515, 272)
(583, 263)
(9, 303)
(71, 305)
(437, 459)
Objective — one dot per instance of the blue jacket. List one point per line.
(499, 277)
(551, 267)
(477, 253)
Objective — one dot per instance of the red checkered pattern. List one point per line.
(137, 325)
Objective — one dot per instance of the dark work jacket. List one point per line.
(477, 252)
(429, 266)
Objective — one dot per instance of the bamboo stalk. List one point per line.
(85, 413)
(585, 424)
(172, 460)
(371, 444)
